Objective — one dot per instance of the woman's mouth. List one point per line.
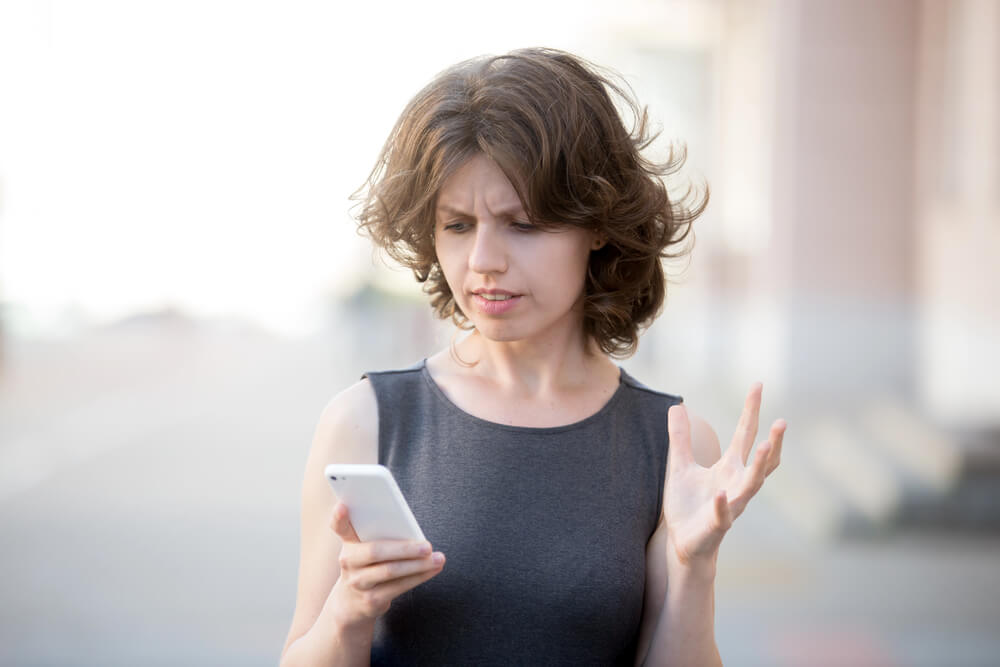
(495, 303)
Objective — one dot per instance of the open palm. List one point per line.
(701, 503)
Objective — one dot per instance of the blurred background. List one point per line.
(182, 291)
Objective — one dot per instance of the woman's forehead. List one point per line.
(478, 179)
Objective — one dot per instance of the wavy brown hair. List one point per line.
(548, 119)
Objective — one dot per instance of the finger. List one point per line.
(715, 518)
(383, 551)
(341, 524)
(753, 478)
(758, 469)
(381, 573)
(679, 430)
(397, 587)
(723, 515)
(746, 429)
(377, 600)
(777, 438)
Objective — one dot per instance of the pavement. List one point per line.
(149, 488)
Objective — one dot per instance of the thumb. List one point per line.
(340, 523)
(723, 515)
(679, 431)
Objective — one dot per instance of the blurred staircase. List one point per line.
(887, 470)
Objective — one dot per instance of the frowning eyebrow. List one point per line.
(509, 211)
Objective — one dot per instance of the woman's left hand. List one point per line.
(701, 503)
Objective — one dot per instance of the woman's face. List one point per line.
(511, 279)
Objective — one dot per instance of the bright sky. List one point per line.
(200, 153)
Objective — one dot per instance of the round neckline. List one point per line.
(453, 407)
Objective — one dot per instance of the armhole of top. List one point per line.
(672, 400)
(376, 378)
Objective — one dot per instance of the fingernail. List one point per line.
(438, 558)
(425, 548)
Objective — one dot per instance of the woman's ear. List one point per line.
(600, 240)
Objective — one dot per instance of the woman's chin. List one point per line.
(497, 332)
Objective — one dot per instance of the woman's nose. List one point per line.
(488, 253)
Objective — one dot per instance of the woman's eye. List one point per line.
(523, 226)
(455, 227)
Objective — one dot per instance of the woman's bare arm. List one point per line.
(700, 504)
(347, 432)
(344, 583)
(706, 450)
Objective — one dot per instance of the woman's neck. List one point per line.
(539, 367)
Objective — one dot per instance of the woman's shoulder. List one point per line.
(415, 368)
(632, 383)
(391, 386)
(348, 426)
(704, 440)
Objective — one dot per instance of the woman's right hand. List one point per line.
(373, 574)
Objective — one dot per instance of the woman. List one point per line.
(514, 192)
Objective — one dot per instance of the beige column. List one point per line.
(839, 264)
(958, 212)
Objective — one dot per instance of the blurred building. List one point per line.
(847, 259)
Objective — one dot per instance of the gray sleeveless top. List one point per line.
(544, 529)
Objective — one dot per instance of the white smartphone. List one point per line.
(378, 510)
